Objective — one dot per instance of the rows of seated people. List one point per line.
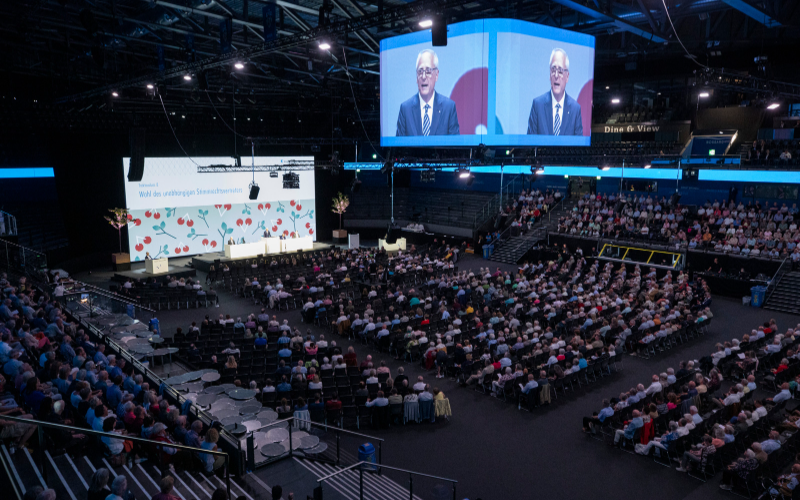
(548, 323)
(54, 372)
(773, 152)
(293, 373)
(749, 230)
(752, 229)
(685, 418)
(529, 207)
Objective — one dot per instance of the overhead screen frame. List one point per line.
(491, 28)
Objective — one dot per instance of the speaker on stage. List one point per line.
(392, 234)
(675, 199)
(254, 191)
(439, 31)
(136, 137)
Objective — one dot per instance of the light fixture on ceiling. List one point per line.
(606, 168)
(114, 94)
(702, 95)
(647, 166)
(323, 45)
(239, 65)
(426, 23)
(188, 78)
(774, 105)
(615, 101)
(150, 86)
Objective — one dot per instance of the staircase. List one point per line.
(509, 251)
(70, 477)
(786, 296)
(376, 487)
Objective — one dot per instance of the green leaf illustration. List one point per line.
(230, 230)
(224, 226)
(156, 228)
(163, 224)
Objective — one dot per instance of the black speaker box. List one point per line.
(136, 136)
(392, 234)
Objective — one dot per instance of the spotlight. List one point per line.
(647, 166)
(462, 173)
(606, 168)
(238, 65)
(188, 78)
(374, 156)
(426, 23)
(615, 101)
(774, 105)
(114, 94)
(607, 87)
(323, 45)
(150, 86)
(702, 95)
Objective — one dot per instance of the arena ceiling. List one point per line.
(75, 53)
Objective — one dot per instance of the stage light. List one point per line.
(374, 156)
(188, 78)
(702, 95)
(508, 152)
(114, 94)
(462, 173)
(614, 101)
(607, 87)
(150, 86)
(426, 23)
(238, 65)
(273, 174)
(774, 105)
(606, 168)
(598, 177)
(323, 45)
(647, 166)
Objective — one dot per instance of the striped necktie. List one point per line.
(426, 121)
(557, 122)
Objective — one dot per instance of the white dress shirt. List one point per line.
(553, 103)
(422, 104)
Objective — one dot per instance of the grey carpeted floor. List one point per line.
(498, 452)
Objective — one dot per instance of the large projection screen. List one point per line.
(176, 211)
(497, 82)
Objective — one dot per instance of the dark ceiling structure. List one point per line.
(261, 60)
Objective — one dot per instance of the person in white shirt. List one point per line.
(420, 385)
(784, 395)
(655, 386)
(696, 418)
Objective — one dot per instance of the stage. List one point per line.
(203, 262)
(138, 272)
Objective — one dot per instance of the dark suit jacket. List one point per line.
(540, 121)
(444, 119)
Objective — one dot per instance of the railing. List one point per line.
(251, 462)
(773, 283)
(18, 257)
(6, 467)
(535, 231)
(410, 473)
(40, 450)
(8, 224)
(74, 287)
(492, 207)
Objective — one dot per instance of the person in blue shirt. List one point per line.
(114, 393)
(630, 430)
(284, 386)
(598, 418)
(285, 352)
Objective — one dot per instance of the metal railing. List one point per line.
(410, 473)
(251, 463)
(40, 450)
(18, 257)
(776, 278)
(8, 224)
(498, 201)
(9, 475)
(74, 287)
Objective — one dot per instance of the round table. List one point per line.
(272, 450)
(213, 389)
(212, 377)
(242, 394)
(277, 435)
(308, 442)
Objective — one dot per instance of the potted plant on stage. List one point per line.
(340, 204)
(118, 220)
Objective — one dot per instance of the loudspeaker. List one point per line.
(356, 187)
(439, 32)
(254, 191)
(202, 80)
(136, 137)
(392, 234)
(675, 199)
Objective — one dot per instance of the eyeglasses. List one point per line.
(559, 71)
(426, 72)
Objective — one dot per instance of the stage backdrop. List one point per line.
(176, 211)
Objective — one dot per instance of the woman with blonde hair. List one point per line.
(231, 363)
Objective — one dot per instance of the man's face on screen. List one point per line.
(559, 75)
(427, 74)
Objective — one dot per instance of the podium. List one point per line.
(273, 245)
(156, 266)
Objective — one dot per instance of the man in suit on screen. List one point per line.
(428, 112)
(554, 112)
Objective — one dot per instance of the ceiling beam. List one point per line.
(753, 13)
(616, 21)
(338, 28)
